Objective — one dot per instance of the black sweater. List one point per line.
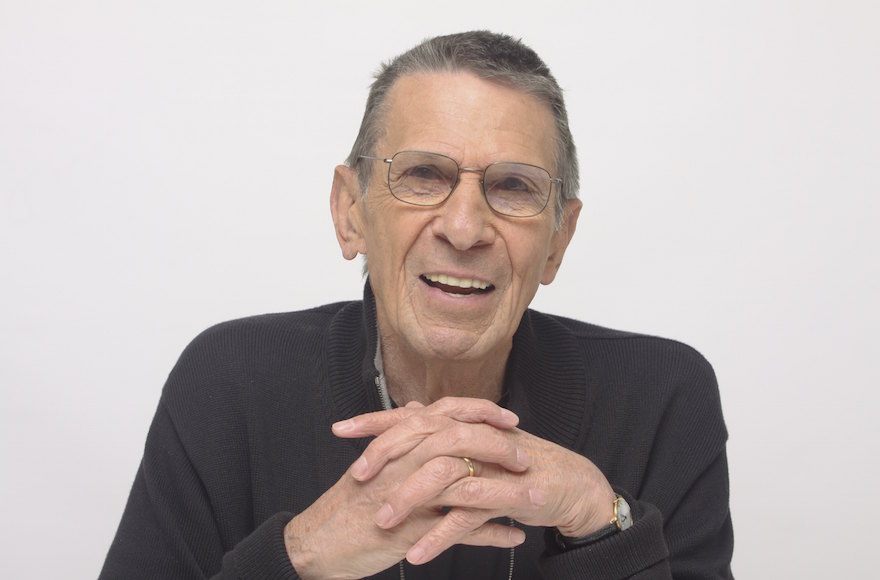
(241, 442)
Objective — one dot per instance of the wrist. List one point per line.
(301, 558)
(593, 517)
(621, 520)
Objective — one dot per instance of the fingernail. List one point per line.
(384, 515)
(522, 458)
(537, 497)
(509, 416)
(415, 555)
(343, 426)
(516, 536)
(359, 469)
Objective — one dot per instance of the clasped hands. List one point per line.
(410, 493)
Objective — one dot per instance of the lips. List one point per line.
(455, 285)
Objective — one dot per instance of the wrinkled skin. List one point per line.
(393, 494)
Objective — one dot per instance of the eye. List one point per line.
(424, 173)
(513, 184)
(420, 179)
(517, 189)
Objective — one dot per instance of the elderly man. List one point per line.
(438, 428)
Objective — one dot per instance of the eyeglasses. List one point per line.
(424, 178)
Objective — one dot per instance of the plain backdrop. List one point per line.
(166, 165)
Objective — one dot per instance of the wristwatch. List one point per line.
(622, 520)
(622, 514)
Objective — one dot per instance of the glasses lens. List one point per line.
(421, 178)
(517, 189)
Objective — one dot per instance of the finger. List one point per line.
(429, 436)
(470, 410)
(495, 535)
(509, 498)
(463, 526)
(421, 488)
(458, 408)
(477, 441)
(374, 423)
(396, 442)
(440, 483)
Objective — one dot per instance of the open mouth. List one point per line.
(453, 285)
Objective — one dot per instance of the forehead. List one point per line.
(472, 120)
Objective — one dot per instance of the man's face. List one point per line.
(422, 259)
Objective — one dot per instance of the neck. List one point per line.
(413, 378)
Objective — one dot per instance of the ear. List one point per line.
(346, 206)
(561, 238)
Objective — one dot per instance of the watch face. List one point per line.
(622, 514)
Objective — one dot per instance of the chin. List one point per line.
(457, 345)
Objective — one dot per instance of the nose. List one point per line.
(465, 217)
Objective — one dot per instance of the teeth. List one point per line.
(459, 282)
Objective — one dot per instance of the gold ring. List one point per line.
(470, 466)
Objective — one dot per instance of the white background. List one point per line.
(166, 165)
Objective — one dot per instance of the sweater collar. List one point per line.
(545, 377)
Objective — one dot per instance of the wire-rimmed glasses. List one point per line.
(425, 178)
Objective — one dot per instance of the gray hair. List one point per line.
(497, 58)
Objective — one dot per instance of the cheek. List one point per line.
(395, 237)
(528, 257)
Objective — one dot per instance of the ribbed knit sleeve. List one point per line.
(640, 552)
(262, 555)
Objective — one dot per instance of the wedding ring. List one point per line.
(470, 466)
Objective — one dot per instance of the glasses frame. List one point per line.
(482, 172)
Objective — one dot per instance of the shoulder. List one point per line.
(274, 327)
(655, 403)
(265, 353)
(633, 345)
(644, 368)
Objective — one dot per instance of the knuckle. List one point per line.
(459, 519)
(457, 435)
(495, 441)
(443, 469)
(503, 446)
(470, 490)
(378, 447)
(445, 403)
(434, 541)
(418, 423)
(491, 534)
(424, 424)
